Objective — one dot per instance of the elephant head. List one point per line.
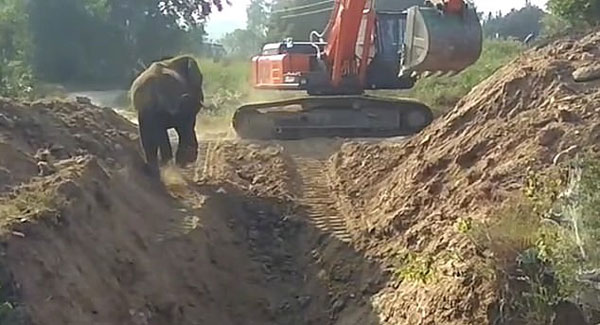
(187, 68)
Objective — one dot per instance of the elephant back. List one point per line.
(188, 68)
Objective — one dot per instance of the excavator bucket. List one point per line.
(440, 42)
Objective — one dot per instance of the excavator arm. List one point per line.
(441, 36)
(340, 52)
(363, 50)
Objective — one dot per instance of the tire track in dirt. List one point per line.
(312, 183)
(180, 182)
(202, 168)
(315, 198)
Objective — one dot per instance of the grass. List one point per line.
(415, 267)
(227, 83)
(442, 93)
(227, 86)
(26, 203)
(543, 241)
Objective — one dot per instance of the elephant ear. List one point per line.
(194, 75)
(195, 80)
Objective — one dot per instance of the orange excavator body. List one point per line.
(364, 50)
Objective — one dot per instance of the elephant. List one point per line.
(168, 94)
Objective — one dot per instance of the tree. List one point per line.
(554, 26)
(247, 42)
(92, 41)
(242, 43)
(109, 41)
(517, 23)
(16, 77)
(298, 18)
(192, 12)
(577, 12)
(258, 17)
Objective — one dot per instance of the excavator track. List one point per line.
(352, 116)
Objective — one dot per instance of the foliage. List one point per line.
(298, 18)
(258, 16)
(227, 86)
(577, 12)
(190, 11)
(544, 242)
(444, 92)
(244, 43)
(516, 24)
(554, 26)
(415, 267)
(226, 82)
(16, 78)
(100, 41)
(92, 42)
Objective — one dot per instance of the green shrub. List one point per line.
(577, 12)
(16, 79)
(227, 86)
(544, 240)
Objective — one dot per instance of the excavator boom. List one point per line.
(364, 49)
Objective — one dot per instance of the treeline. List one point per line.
(517, 24)
(273, 21)
(268, 22)
(105, 42)
(90, 42)
(562, 17)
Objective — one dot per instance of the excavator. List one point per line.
(358, 51)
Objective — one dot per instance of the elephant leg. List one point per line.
(187, 151)
(166, 152)
(148, 128)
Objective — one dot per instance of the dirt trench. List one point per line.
(280, 233)
(248, 235)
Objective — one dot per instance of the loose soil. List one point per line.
(91, 240)
(308, 232)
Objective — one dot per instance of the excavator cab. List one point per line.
(443, 38)
(389, 36)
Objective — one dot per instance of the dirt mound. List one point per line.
(277, 233)
(257, 169)
(88, 239)
(66, 129)
(409, 198)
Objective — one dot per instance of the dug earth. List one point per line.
(320, 231)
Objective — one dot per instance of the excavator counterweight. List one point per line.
(363, 50)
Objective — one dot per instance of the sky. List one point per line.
(234, 16)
